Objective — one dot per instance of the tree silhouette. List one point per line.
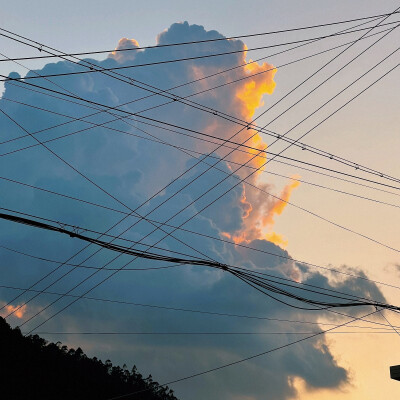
(32, 368)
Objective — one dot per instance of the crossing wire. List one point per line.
(223, 366)
(62, 228)
(197, 311)
(194, 154)
(182, 225)
(222, 115)
(245, 50)
(247, 76)
(80, 229)
(184, 84)
(259, 279)
(196, 41)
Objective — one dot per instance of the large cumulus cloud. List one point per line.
(132, 169)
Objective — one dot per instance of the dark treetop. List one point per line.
(33, 368)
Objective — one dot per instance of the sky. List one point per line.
(320, 226)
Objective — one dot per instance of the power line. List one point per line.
(67, 306)
(103, 125)
(262, 280)
(195, 311)
(360, 167)
(246, 280)
(186, 150)
(205, 56)
(84, 247)
(184, 84)
(206, 333)
(80, 229)
(241, 271)
(268, 161)
(241, 360)
(223, 115)
(196, 41)
(84, 176)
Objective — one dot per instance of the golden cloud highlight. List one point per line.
(253, 89)
(258, 216)
(280, 205)
(122, 56)
(19, 312)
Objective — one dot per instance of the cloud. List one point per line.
(124, 56)
(19, 310)
(133, 169)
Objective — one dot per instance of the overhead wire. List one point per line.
(383, 316)
(204, 333)
(68, 164)
(173, 232)
(262, 280)
(247, 76)
(283, 256)
(195, 154)
(206, 312)
(198, 41)
(226, 365)
(204, 56)
(200, 262)
(223, 115)
(158, 140)
(184, 84)
(281, 279)
(79, 230)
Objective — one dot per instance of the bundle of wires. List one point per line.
(267, 284)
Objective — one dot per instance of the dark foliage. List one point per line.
(32, 368)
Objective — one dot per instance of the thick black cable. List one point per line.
(203, 333)
(254, 274)
(206, 236)
(75, 228)
(67, 306)
(246, 275)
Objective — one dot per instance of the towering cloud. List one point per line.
(132, 168)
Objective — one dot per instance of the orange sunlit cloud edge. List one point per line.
(259, 213)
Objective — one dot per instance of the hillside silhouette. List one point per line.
(32, 368)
